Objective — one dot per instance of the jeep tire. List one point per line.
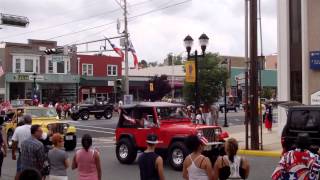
(177, 153)
(85, 115)
(75, 117)
(108, 114)
(125, 151)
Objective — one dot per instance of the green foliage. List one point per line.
(143, 64)
(267, 93)
(161, 87)
(177, 60)
(211, 80)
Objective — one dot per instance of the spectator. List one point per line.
(299, 163)
(268, 117)
(32, 151)
(196, 166)
(29, 174)
(150, 163)
(214, 115)
(20, 134)
(66, 110)
(3, 147)
(87, 160)
(58, 159)
(58, 107)
(199, 119)
(231, 165)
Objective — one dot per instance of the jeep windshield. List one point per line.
(171, 113)
(305, 120)
(43, 112)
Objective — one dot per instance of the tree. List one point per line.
(161, 87)
(212, 77)
(177, 60)
(143, 64)
(153, 64)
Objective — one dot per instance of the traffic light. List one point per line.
(13, 20)
(118, 86)
(65, 50)
(53, 51)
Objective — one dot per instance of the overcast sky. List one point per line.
(153, 35)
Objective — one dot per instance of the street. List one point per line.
(103, 134)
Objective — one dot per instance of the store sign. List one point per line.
(190, 71)
(315, 98)
(56, 58)
(85, 91)
(21, 77)
(38, 78)
(128, 99)
(315, 60)
(110, 83)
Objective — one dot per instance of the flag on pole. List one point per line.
(1, 71)
(116, 49)
(135, 58)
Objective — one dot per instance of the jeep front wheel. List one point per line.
(125, 151)
(9, 139)
(85, 115)
(108, 114)
(177, 154)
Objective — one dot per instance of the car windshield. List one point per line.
(167, 113)
(305, 120)
(45, 112)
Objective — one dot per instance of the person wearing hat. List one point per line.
(150, 163)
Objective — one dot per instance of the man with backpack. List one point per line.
(299, 163)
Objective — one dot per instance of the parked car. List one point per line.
(170, 124)
(233, 104)
(301, 119)
(92, 107)
(50, 124)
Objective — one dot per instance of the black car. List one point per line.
(92, 107)
(232, 104)
(301, 119)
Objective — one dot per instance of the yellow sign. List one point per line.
(190, 71)
(151, 87)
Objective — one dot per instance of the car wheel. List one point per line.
(70, 145)
(108, 114)
(177, 153)
(9, 138)
(98, 116)
(74, 117)
(85, 115)
(125, 151)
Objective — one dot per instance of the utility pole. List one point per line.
(126, 84)
(254, 116)
(246, 76)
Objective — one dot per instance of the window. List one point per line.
(112, 70)
(60, 67)
(18, 65)
(50, 66)
(28, 65)
(87, 69)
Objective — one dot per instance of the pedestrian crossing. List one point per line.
(101, 142)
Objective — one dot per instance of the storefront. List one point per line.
(49, 87)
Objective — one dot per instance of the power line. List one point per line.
(72, 21)
(113, 22)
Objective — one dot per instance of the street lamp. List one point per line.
(188, 42)
(34, 85)
(225, 62)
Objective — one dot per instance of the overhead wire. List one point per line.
(70, 22)
(132, 17)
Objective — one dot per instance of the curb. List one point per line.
(260, 153)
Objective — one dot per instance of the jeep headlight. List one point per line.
(199, 133)
(65, 128)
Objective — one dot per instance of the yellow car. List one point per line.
(48, 119)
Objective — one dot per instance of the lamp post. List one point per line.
(225, 98)
(188, 42)
(34, 85)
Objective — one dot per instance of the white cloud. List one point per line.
(153, 35)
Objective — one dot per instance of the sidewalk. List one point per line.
(271, 141)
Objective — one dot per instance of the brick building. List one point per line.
(97, 76)
(26, 66)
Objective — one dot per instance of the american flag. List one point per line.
(116, 49)
(135, 58)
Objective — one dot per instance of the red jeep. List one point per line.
(170, 124)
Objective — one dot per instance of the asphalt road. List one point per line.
(103, 134)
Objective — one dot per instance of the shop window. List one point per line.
(28, 63)
(87, 69)
(60, 67)
(18, 65)
(101, 96)
(112, 70)
(50, 66)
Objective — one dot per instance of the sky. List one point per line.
(156, 27)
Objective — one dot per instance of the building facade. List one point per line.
(298, 42)
(29, 71)
(97, 76)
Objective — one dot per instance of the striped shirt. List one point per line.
(297, 165)
(32, 154)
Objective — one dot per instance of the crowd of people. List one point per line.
(37, 162)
